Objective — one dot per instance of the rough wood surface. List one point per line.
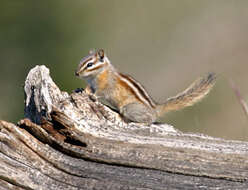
(75, 142)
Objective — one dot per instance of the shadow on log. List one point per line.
(75, 142)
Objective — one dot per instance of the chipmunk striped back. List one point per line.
(137, 89)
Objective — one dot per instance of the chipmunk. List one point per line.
(128, 96)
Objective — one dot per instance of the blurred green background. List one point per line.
(164, 44)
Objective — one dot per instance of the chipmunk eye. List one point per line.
(89, 64)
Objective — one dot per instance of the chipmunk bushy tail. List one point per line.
(194, 93)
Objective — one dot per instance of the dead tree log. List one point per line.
(75, 142)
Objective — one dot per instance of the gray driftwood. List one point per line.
(74, 142)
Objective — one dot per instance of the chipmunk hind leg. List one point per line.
(137, 112)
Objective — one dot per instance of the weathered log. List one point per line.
(75, 142)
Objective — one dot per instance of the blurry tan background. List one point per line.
(164, 44)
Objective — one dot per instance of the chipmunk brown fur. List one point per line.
(128, 96)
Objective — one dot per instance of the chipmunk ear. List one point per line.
(101, 53)
(92, 51)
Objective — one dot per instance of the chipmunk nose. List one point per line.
(76, 73)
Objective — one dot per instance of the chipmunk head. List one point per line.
(92, 64)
